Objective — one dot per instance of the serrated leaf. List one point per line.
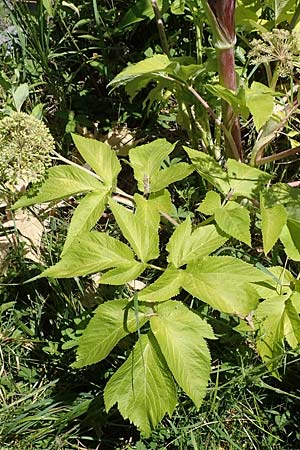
(146, 161)
(164, 288)
(90, 253)
(176, 244)
(161, 201)
(290, 237)
(234, 220)
(61, 182)
(277, 319)
(170, 175)
(273, 219)
(244, 180)
(269, 317)
(100, 157)
(141, 228)
(111, 322)
(209, 169)
(211, 202)
(86, 215)
(180, 334)
(184, 246)
(224, 283)
(143, 386)
(123, 274)
(259, 100)
(291, 324)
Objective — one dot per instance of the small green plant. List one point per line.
(171, 338)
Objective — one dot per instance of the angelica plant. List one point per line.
(25, 149)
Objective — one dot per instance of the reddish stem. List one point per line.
(227, 77)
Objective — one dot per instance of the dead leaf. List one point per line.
(30, 230)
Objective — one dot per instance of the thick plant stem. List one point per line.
(160, 27)
(226, 67)
(220, 14)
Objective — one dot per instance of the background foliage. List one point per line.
(56, 63)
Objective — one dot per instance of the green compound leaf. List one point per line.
(185, 246)
(123, 274)
(225, 283)
(141, 228)
(164, 288)
(146, 161)
(61, 182)
(90, 253)
(112, 321)
(210, 204)
(234, 220)
(180, 334)
(100, 157)
(86, 215)
(143, 386)
(273, 220)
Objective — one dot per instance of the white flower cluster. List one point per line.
(25, 148)
(280, 46)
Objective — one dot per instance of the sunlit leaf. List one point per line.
(86, 215)
(143, 386)
(90, 253)
(139, 228)
(225, 283)
(234, 220)
(60, 182)
(180, 334)
(273, 219)
(185, 246)
(164, 288)
(100, 157)
(112, 321)
(123, 274)
(211, 202)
